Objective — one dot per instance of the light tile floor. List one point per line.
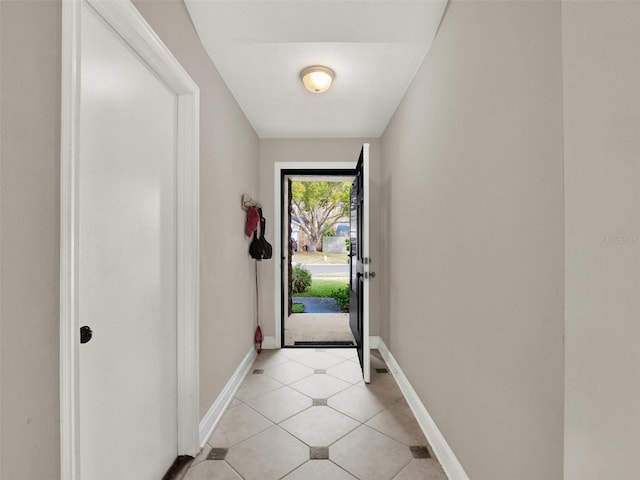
(306, 414)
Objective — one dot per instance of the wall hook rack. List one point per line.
(248, 202)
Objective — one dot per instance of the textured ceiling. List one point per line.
(260, 47)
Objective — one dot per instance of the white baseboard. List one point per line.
(443, 452)
(269, 343)
(219, 406)
(374, 342)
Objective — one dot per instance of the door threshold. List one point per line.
(323, 343)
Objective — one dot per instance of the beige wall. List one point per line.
(316, 150)
(472, 176)
(29, 223)
(29, 253)
(602, 179)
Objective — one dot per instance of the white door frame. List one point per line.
(278, 168)
(125, 19)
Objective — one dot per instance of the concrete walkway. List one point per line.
(318, 304)
(325, 327)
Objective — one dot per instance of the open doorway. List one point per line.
(316, 246)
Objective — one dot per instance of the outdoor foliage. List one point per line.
(318, 206)
(297, 308)
(341, 296)
(301, 279)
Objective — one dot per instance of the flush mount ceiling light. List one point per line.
(317, 79)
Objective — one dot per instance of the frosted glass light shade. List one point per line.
(317, 79)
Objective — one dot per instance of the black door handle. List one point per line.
(85, 334)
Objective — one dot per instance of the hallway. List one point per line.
(305, 414)
(505, 235)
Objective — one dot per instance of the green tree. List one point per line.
(317, 207)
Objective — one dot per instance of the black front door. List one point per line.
(359, 261)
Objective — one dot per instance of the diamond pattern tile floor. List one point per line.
(289, 372)
(347, 371)
(424, 469)
(212, 469)
(320, 386)
(319, 470)
(369, 454)
(238, 424)
(285, 422)
(357, 402)
(320, 360)
(270, 454)
(398, 423)
(256, 385)
(319, 426)
(280, 404)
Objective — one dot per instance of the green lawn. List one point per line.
(322, 288)
(297, 308)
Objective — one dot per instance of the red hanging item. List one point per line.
(258, 339)
(253, 217)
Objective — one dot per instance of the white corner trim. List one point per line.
(219, 406)
(269, 343)
(441, 448)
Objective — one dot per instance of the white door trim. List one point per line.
(278, 167)
(125, 19)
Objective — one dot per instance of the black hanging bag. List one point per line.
(255, 247)
(267, 249)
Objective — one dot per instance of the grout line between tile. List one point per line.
(262, 414)
(389, 436)
(296, 468)
(233, 469)
(344, 469)
(273, 424)
(291, 416)
(350, 431)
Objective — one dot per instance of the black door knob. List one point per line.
(85, 334)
